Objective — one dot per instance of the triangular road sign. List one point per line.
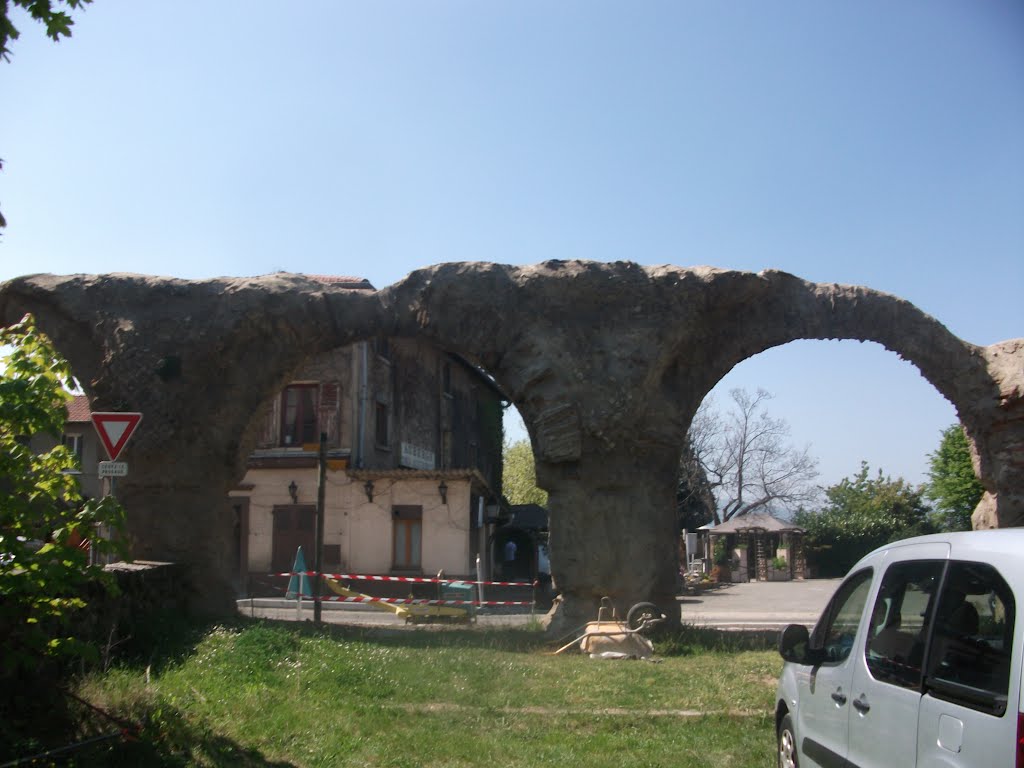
(114, 430)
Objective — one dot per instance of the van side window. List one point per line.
(969, 660)
(837, 628)
(895, 646)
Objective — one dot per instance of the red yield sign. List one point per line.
(114, 430)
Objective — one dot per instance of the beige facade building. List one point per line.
(81, 439)
(413, 470)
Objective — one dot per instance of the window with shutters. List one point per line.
(299, 422)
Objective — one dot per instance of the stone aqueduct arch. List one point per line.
(607, 364)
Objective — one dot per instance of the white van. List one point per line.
(916, 660)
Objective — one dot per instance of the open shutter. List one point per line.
(330, 401)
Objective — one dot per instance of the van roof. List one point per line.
(1008, 541)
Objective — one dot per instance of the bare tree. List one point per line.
(748, 460)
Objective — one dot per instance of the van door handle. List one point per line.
(839, 697)
(861, 704)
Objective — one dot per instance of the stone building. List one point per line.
(413, 472)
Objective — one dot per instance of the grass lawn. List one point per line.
(263, 693)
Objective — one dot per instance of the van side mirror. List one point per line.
(794, 642)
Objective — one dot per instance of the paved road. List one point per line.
(756, 605)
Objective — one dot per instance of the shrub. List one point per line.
(43, 573)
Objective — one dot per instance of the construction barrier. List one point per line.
(416, 601)
(412, 579)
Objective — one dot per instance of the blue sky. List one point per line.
(871, 143)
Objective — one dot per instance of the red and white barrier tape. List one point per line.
(416, 601)
(415, 579)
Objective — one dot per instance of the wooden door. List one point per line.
(294, 526)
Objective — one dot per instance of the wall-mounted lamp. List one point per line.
(368, 487)
(442, 488)
(293, 491)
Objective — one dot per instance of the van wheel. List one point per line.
(787, 743)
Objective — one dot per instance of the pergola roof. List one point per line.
(757, 521)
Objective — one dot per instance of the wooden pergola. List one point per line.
(764, 538)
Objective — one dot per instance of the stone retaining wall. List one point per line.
(150, 596)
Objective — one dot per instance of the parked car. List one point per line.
(915, 661)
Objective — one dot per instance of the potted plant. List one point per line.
(780, 569)
(722, 560)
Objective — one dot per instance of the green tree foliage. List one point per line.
(57, 21)
(861, 513)
(953, 487)
(519, 476)
(43, 573)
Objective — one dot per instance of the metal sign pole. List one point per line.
(479, 582)
(319, 556)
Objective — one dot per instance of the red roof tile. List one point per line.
(78, 409)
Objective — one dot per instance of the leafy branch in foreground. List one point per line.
(58, 22)
(44, 569)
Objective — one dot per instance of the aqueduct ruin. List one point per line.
(607, 364)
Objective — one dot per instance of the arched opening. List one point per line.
(520, 547)
(850, 401)
(841, 402)
(412, 475)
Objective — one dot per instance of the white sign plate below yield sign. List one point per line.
(113, 468)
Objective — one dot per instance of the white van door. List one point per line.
(972, 678)
(824, 690)
(887, 672)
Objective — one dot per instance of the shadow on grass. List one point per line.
(169, 740)
(510, 639)
(165, 639)
(692, 640)
(41, 717)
